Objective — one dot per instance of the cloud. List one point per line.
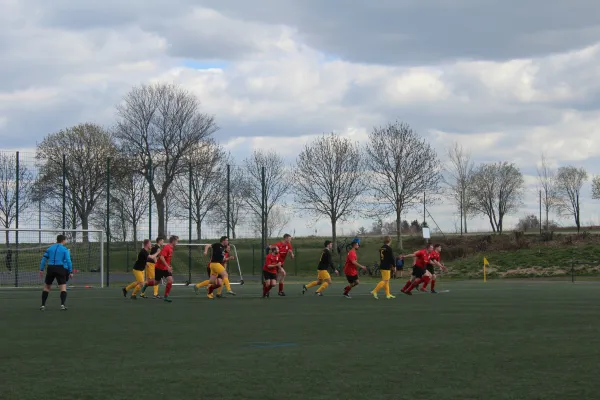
(507, 85)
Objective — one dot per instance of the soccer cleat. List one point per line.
(281, 294)
(43, 308)
(157, 297)
(304, 289)
(391, 296)
(124, 292)
(196, 290)
(231, 293)
(375, 295)
(319, 293)
(219, 296)
(133, 297)
(167, 299)
(346, 295)
(143, 296)
(210, 296)
(433, 291)
(408, 293)
(63, 307)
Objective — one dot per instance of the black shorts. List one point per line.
(269, 276)
(161, 273)
(352, 278)
(430, 269)
(57, 272)
(418, 272)
(400, 267)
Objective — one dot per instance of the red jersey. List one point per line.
(167, 253)
(434, 255)
(271, 260)
(283, 250)
(349, 267)
(422, 258)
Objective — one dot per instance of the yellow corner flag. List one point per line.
(485, 264)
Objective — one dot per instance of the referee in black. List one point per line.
(60, 267)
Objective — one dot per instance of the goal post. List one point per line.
(194, 252)
(21, 252)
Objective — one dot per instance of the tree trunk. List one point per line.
(135, 239)
(547, 221)
(85, 225)
(334, 232)
(198, 230)
(399, 229)
(492, 223)
(7, 237)
(577, 220)
(160, 212)
(465, 221)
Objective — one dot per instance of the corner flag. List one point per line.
(485, 264)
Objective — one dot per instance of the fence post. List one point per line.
(107, 221)
(228, 199)
(17, 181)
(263, 221)
(149, 200)
(295, 263)
(252, 260)
(190, 224)
(64, 192)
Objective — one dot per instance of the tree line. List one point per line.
(162, 153)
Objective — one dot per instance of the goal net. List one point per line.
(21, 252)
(192, 256)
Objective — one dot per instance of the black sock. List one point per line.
(44, 297)
(63, 297)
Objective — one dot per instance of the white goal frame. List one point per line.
(202, 245)
(101, 244)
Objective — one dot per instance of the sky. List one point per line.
(507, 80)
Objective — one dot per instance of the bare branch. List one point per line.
(8, 190)
(569, 181)
(547, 183)
(458, 176)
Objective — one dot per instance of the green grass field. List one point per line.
(501, 340)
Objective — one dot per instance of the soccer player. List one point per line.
(226, 282)
(434, 259)
(218, 274)
(285, 247)
(138, 269)
(163, 268)
(272, 264)
(59, 263)
(387, 261)
(399, 267)
(204, 283)
(350, 268)
(419, 273)
(151, 266)
(323, 277)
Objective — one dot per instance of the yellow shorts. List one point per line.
(150, 271)
(139, 275)
(323, 275)
(385, 275)
(216, 268)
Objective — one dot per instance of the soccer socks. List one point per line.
(280, 287)
(131, 286)
(407, 285)
(347, 289)
(425, 285)
(433, 284)
(63, 297)
(321, 288)
(167, 289)
(379, 286)
(203, 283)
(227, 284)
(416, 283)
(312, 284)
(44, 297)
(387, 288)
(155, 288)
(266, 289)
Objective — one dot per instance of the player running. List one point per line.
(226, 282)
(323, 277)
(138, 269)
(285, 247)
(419, 273)
(163, 268)
(272, 264)
(59, 262)
(387, 261)
(350, 268)
(151, 266)
(434, 260)
(218, 274)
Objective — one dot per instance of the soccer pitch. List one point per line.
(499, 340)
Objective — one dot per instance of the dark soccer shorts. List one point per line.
(430, 269)
(161, 273)
(269, 276)
(57, 272)
(351, 278)
(418, 272)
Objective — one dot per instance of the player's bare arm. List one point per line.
(206, 249)
(358, 265)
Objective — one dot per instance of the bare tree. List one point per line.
(9, 176)
(403, 166)
(87, 147)
(329, 179)
(278, 220)
(158, 127)
(497, 191)
(596, 187)
(130, 192)
(237, 203)
(569, 181)
(458, 179)
(547, 182)
(208, 165)
(276, 182)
